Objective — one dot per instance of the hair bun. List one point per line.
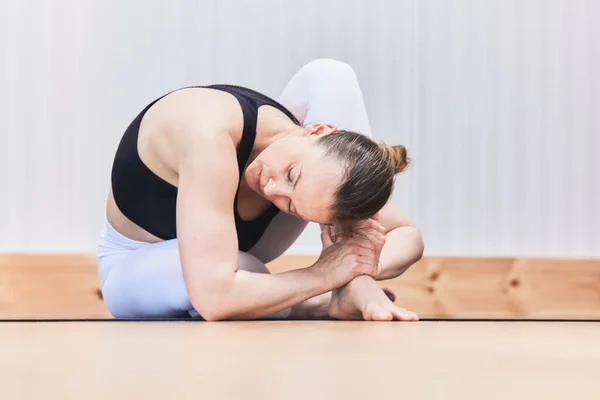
(398, 156)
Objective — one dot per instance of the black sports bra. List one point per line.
(150, 202)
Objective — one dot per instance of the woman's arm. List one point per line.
(403, 243)
(208, 246)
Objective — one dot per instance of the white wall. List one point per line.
(496, 100)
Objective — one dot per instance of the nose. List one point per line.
(277, 188)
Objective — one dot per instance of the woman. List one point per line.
(211, 183)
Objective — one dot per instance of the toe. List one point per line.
(402, 315)
(382, 316)
(375, 312)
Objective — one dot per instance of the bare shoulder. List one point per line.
(185, 113)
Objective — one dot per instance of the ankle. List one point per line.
(313, 308)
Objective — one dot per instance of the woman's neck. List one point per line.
(269, 131)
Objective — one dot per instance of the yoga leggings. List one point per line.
(140, 279)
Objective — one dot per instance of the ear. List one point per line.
(319, 129)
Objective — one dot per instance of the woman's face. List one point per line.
(294, 174)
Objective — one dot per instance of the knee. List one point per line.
(329, 70)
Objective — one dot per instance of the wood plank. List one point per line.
(66, 286)
(300, 360)
(50, 286)
(474, 287)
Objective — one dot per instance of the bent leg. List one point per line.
(326, 90)
(148, 282)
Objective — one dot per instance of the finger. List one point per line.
(365, 249)
(379, 238)
(357, 232)
(336, 233)
(358, 226)
(371, 226)
(365, 255)
(373, 238)
(369, 223)
(326, 239)
(368, 266)
(366, 261)
(364, 246)
(380, 228)
(375, 224)
(361, 265)
(366, 233)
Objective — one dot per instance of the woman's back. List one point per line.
(145, 177)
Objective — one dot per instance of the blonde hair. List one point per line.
(397, 156)
(370, 168)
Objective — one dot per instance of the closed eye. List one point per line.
(289, 176)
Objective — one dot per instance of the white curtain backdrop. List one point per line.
(496, 100)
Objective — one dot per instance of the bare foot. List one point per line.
(363, 299)
(314, 308)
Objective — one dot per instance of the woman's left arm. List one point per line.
(403, 242)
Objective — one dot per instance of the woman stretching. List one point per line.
(210, 183)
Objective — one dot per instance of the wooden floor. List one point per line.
(299, 360)
(56, 286)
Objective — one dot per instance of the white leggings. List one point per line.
(145, 280)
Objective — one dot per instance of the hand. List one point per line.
(373, 230)
(343, 259)
(376, 233)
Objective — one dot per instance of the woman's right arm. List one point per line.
(208, 246)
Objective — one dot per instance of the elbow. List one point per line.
(210, 309)
(209, 302)
(213, 315)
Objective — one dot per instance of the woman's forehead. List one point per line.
(317, 180)
(317, 158)
(319, 168)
